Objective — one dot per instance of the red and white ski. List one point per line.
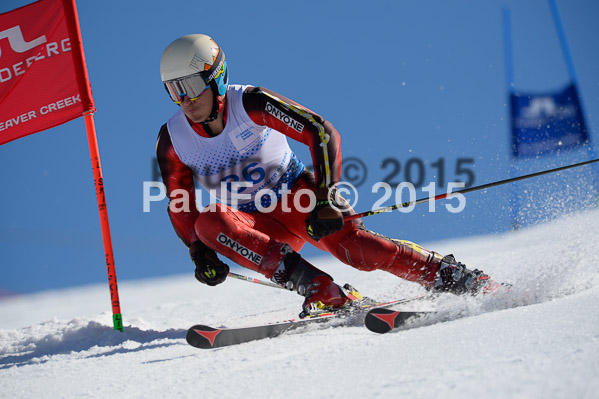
(207, 337)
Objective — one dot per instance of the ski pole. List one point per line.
(253, 280)
(467, 190)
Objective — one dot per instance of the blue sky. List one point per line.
(399, 80)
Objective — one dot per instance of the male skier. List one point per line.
(233, 140)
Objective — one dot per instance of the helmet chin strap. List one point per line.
(217, 104)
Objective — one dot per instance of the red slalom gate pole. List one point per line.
(94, 153)
(70, 10)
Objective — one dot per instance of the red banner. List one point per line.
(43, 77)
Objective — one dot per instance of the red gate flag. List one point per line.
(44, 83)
(43, 77)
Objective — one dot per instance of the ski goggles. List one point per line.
(192, 86)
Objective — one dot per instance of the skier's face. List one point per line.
(199, 109)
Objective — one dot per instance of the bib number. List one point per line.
(251, 173)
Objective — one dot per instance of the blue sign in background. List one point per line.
(546, 123)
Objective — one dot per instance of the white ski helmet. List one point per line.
(190, 65)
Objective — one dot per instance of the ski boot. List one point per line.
(453, 277)
(323, 294)
(296, 274)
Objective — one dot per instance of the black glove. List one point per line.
(209, 269)
(325, 219)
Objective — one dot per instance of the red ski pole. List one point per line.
(254, 280)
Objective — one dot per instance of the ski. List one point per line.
(382, 320)
(386, 318)
(207, 337)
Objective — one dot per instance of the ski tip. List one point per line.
(203, 337)
(381, 320)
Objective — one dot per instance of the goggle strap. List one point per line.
(206, 74)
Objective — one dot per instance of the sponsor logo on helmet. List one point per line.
(220, 69)
(240, 249)
(283, 117)
(195, 62)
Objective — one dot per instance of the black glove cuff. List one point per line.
(198, 248)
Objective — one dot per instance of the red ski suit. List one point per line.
(254, 239)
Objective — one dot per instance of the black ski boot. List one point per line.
(321, 293)
(455, 278)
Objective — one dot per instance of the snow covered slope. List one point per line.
(541, 341)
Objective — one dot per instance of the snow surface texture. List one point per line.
(540, 341)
